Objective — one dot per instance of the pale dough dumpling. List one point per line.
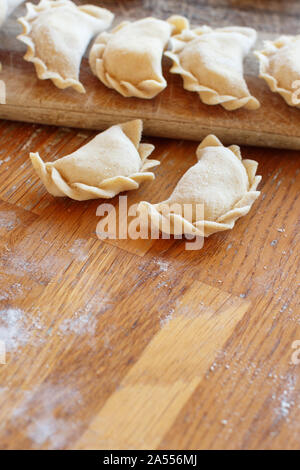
(221, 182)
(210, 63)
(112, 162)
(129, 58)
(280, 67)
(57, 34)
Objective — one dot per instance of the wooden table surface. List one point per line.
(144, 345)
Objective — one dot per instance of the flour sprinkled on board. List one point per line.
(79, 324)
(78, 250)
(37, 414)
(166, 320)
(16, 263)
(85, 320)
(12, 329)
(16, 328)
(163, 265)
(12, 291)
(48, 429)
(285, 407)
(8, 220)
(286, 399)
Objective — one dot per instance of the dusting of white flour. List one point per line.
(13, 330)
(40, 422)
(16, 328)
(8, 220)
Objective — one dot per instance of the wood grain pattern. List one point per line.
(167, 373)
(174, 113)
(89, 323)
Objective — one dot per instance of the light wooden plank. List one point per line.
(174, 113)
(156, 388)
(250, 398)
(59, 379)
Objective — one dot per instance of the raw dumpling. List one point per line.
(112, 162)
(280, 68)
(129, 58)
(211, 63)
(221, 181)
(57, 34)
(7, 7)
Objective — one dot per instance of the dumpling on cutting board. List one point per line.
(112, 162)
(221, 183)
(210, 62)
(128, 59)
(57, 34)
(279, 66)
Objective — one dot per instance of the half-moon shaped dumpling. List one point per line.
(7, 7)
(128, 59)
(221, 183)
(210, 61)
(57, 34)
(112, 162)
(280, 67)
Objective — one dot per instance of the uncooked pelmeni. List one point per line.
(128, 59)
(223, 183)
(280, 67)
(210, 62)
(57, 34)
(112, 162)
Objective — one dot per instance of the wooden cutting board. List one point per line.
(182, 349)
(174, 113)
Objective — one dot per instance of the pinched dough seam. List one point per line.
(205, 227)
(108, 188)
(144, 89)
(208, 95)
(41, 68)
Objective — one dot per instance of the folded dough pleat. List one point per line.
(210, 63)
(223, 183)
(128, 59)
(279, 66)
(112, 162)
(57, 34)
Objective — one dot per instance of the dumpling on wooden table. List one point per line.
(221, 183)
(279, 66)
(210, 62)
(112, 162)
(57, 34)
(128, 59)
